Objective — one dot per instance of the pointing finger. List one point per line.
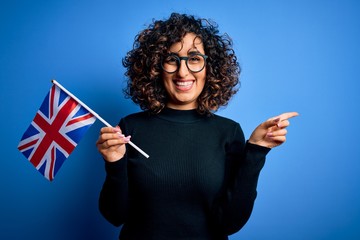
(278, 120)
(288, 115)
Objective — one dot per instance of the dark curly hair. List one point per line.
(143, 63)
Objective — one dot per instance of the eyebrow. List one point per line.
(192, 51)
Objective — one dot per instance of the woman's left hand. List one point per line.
(272, 132)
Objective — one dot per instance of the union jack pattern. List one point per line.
(55, 131)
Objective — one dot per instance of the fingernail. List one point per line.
(269, 134)
(276, 120)
(127, 139)
(279, 125)
(120, 134)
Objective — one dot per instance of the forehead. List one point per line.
(190, 42)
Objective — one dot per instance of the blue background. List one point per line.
(296, 56)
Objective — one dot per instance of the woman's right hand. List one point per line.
(111, 143)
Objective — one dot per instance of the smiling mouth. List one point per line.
(184, 85)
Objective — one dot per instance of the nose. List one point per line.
(183, 69)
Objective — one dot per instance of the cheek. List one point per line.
(166, 80)
(202, 78)
(166, 76)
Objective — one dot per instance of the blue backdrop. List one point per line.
(296, 56)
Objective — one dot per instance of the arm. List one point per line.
(246, 163)
(113, 200)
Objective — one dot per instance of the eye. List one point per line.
(172, 60)
(194, 59)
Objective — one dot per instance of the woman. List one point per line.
(200, 180)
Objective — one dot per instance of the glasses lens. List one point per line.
(195, 62)
(170, 63)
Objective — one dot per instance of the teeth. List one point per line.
(182, 83)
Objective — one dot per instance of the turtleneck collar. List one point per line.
(181, 116)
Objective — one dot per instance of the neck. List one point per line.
(181, 107)
(182, 116)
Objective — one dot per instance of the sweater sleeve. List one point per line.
(113, 200)
(245, 163)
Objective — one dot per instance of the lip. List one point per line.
(183, 85)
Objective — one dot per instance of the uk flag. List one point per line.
(55, 131)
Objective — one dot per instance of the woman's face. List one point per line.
(184, 86)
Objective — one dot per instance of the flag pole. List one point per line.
(95, 114)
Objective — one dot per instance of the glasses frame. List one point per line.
(179, 59)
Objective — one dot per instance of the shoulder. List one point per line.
(137, 115)
(135, 118)
(225, 125)
(133, 121)
(224, 121)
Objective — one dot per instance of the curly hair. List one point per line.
(143, 63)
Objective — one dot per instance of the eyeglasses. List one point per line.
(194, 62)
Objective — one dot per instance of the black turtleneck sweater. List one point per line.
(198, 184)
